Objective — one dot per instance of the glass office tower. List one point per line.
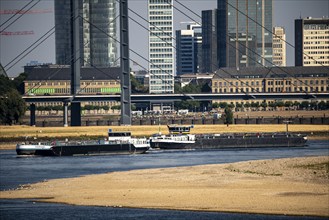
(188, 48)
(97, 48)
(161, 50)
(209, 41)
(247, 25)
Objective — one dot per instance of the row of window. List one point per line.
(160, 1)
(317, 62)
(317, 52)
(274, 82)
(316, 37)
(161, 23)
(160, 12)
(68, 83)
(275, 89)
(153, 29)
(316, 42)
(164, 75)
(161, 66)
(161, 39)
(316, 48)
(161, 7)
(164, 50)
(158, 18)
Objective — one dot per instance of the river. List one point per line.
(15, 171)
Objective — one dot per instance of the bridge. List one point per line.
(145, 98)
(160, 98)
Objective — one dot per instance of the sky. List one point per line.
(12, 47)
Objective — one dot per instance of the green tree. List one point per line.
(223, 104)
(228, 115)
(105, 107)
(116, 107)
(304, 104)
(239, 105)
(263, 105)
(136, 86)
(12, 106)
(215, 105)
(19, 82)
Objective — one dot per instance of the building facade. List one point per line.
(209, 41)
(55, 80)
(277, 80)
(312, 42)
(188, 49)
(279, 46)
(161, 50)
(97, 26)
(244, 33)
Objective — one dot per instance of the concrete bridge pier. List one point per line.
(32, 114)
(65, 114)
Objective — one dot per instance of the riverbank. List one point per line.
(293, 186)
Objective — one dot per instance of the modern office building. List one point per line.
(97, 30)
(210, 60)
(279, 46)
(188, 49)
(244, 33)
(161, 50)
(312, 42)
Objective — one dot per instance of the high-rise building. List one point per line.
(209, 41)
(279, 46)
(161, 50)
(188, 49)
(244, 33)
(97, 30)
(312, 42)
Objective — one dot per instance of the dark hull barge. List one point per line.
(237, 141)
(116, 143)
(249, 141)
(221, 141)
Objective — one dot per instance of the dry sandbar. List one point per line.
(294, 186)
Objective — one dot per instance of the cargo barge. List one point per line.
(220, 141)
(116, 143)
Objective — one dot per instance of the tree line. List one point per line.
(12, 106)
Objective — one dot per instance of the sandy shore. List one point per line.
(295, 186)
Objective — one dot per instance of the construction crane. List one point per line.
(13, 33)
(16, 11)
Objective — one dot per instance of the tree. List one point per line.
(191, 105)
(263, 105)
(116, 107)
(19, 82)
(105, 107)
(228, 115)
(215, 105)
(223, 104)
(12, 106)
(304, 104)
(136, 86)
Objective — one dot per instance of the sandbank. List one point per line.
(292, 186)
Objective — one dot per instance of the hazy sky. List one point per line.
(11, 46)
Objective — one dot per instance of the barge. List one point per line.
(180, 138)
(116, 143)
